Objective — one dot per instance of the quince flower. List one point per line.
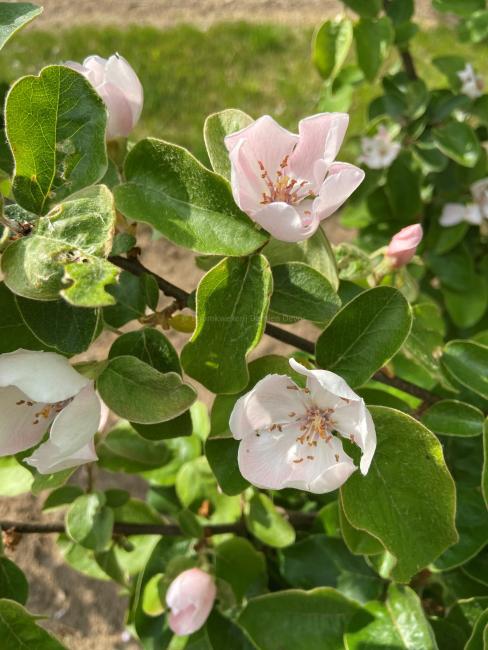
(119, 87)
(288, 183)
(41, 391)
(472, 84)
(288, 434)
(472, 213)
(379, 151)
(190, 597)
(404, 244)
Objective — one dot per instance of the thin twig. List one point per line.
(136, 268)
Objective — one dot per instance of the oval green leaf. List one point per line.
(452, 418)
(467, 363)
(216, 127)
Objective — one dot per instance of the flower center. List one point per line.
(284, 188)
(47, 412)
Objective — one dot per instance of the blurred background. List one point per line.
(194, 57)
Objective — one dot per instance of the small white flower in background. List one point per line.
(190, 598)
(288, 434)
(379, 151)
(289, 183)
(40, 391)
(119, 87)
(473, 213)
(472, 84)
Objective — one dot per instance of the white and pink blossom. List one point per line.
(473, 213)
(291, 437)
(41, 392)
(119, 87)
(472, 84)
(379, 151)
(288, 183)
(403, 245)
(190, 598)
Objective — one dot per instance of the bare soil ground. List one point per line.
(163, 13)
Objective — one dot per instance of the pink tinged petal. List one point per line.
(21, 425)
(271, 401)
(95, 69)
(246, 182)
(119, 73)
(452, 214)
(327, 390)
(288, 223)
(266, 458)
(190, 597)
(324, 468)
(268, 142)
(120, 121)
(340, 183)
(77, 67)
(71, 439)
(354, 421)
(44, 377)
(320, 138)
(404, 244)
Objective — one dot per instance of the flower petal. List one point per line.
(354, 421)
(340, 183)
(20, 425)
(94, 67)
(288, 222)
(271, 401)
(120, 119)
(452, 214)
(246, 181)
(71, 439)
(320, 138)
(44, 377)
(268, 143)
(327, 390)
(190, 597)
(120, 73)
(473, 214)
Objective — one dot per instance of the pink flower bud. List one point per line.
(402, 247)
(119, 87)
(190, 597)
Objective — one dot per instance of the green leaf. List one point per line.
(13, 16)
(14, 478)
(320, 561)
(467, 363)
(88, 281)
(238, 563)
(364, 334)
(59, 325)
(13, 583)
(453, 418)
(426, 338)
(89, 522)
(62, 496)
(479, 637)
(298, 619)
(299, 291)
(330, 46)
(265, 522)
(468, 307)
(400, 11)
(216, 127)
(132, 295)
(137, 392)
(315, 252)
(78, 230)
(152, 347)
(472, 529)
(222, 456)
(458, 141)
(63, 150)
(400, 623)
(460, 7)
(232, 303)
(191, 206)
(407, 500)
(359, 542)
(123, 450)
(484, 474)
(403, 189)
(373, 40)
(14, 333)
(365, 8)
(19, 630)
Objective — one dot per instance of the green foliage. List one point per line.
(191, 206)
(265, 522)
(373, 39)
(467, 363)
(330, 46)
(13, 16)
(19, 629)
(89, 522)
(216, 127)
(64, 149)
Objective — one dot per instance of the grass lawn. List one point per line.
(188, 73)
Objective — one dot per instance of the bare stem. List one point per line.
(136, 268)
